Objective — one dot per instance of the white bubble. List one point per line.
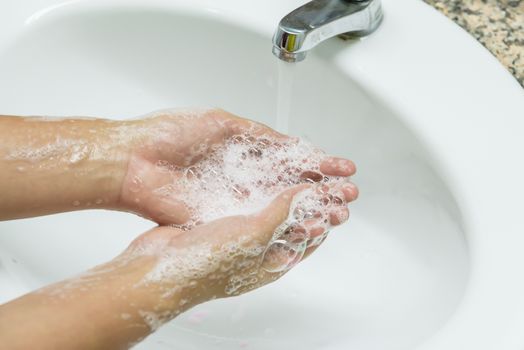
(240, 178)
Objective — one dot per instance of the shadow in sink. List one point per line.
(388, 279)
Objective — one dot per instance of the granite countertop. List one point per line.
(497, 24)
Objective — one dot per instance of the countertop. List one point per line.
(497, 24)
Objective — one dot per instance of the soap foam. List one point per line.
(243, 176)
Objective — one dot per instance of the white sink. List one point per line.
(431, 258)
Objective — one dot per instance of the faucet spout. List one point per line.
(319, 20)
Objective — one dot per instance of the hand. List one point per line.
(180, 269)
(166, 144)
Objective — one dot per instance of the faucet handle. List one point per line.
(376, 15)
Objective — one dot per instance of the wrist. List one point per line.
(124, 139)
(140, 297)
(98, 164)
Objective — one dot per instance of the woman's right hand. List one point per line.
(220, 259)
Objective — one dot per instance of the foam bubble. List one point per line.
(153, 320)
(244, 175)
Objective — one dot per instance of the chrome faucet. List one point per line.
(318, 20)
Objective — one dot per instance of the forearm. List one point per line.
(82, 322)
(52, 165)
(106, 308)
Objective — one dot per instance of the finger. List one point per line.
(311, 227)
(309, 251)
(314, 243)
(316, 231)
(338, 216)
(255, 229)
(267, 277)
(337, 167)
(277, 258)
(167, 211)
(276, 213)
(350, 191)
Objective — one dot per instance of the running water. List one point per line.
(286, 77)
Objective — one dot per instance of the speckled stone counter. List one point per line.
(498, 24)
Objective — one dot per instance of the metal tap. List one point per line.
(319, 20)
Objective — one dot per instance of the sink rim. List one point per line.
(364, 64)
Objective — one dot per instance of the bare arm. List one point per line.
(80, 313)
(61, 165)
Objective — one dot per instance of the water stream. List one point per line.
(286, 77)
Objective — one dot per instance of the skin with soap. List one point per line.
(56, 165)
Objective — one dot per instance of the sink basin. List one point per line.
(430, 258)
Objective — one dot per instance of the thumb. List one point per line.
(277, 212)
